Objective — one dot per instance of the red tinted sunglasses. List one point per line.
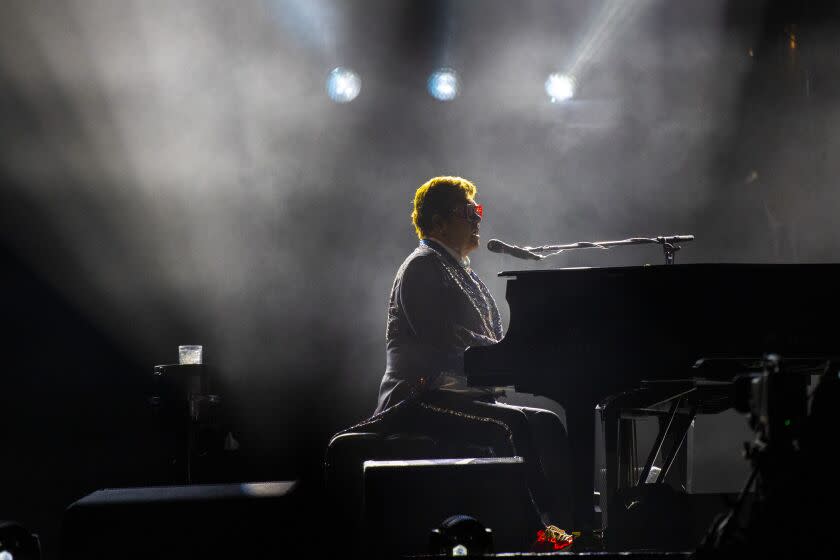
(471, 213)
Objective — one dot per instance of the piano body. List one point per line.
(582, 336)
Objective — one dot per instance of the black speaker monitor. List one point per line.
(253, 520)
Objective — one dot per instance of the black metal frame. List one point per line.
(684, 399)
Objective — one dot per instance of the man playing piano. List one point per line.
(438, 307)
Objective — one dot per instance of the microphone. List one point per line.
(497, 246)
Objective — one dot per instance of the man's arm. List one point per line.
(432, 315)
(471, 338)
(423, 299)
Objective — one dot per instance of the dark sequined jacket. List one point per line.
(437, 309)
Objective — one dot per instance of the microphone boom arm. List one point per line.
(669, 245)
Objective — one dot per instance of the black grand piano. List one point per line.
(582, 336)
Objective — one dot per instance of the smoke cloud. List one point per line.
(190, 181)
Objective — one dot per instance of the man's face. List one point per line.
(460, 231)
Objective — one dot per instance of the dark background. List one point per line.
(174, 173)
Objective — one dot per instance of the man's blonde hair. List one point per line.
(439, 196)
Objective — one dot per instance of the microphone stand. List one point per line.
(668, 242)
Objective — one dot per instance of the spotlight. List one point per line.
(17, 543)
(343, 85)
(461, 535)
(560, 87)
(443, 84)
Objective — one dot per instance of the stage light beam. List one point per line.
(443, 84)
(343, 85)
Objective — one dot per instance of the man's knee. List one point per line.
(548, 425)
(518, 421)
(511, 416)
(550, 418)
